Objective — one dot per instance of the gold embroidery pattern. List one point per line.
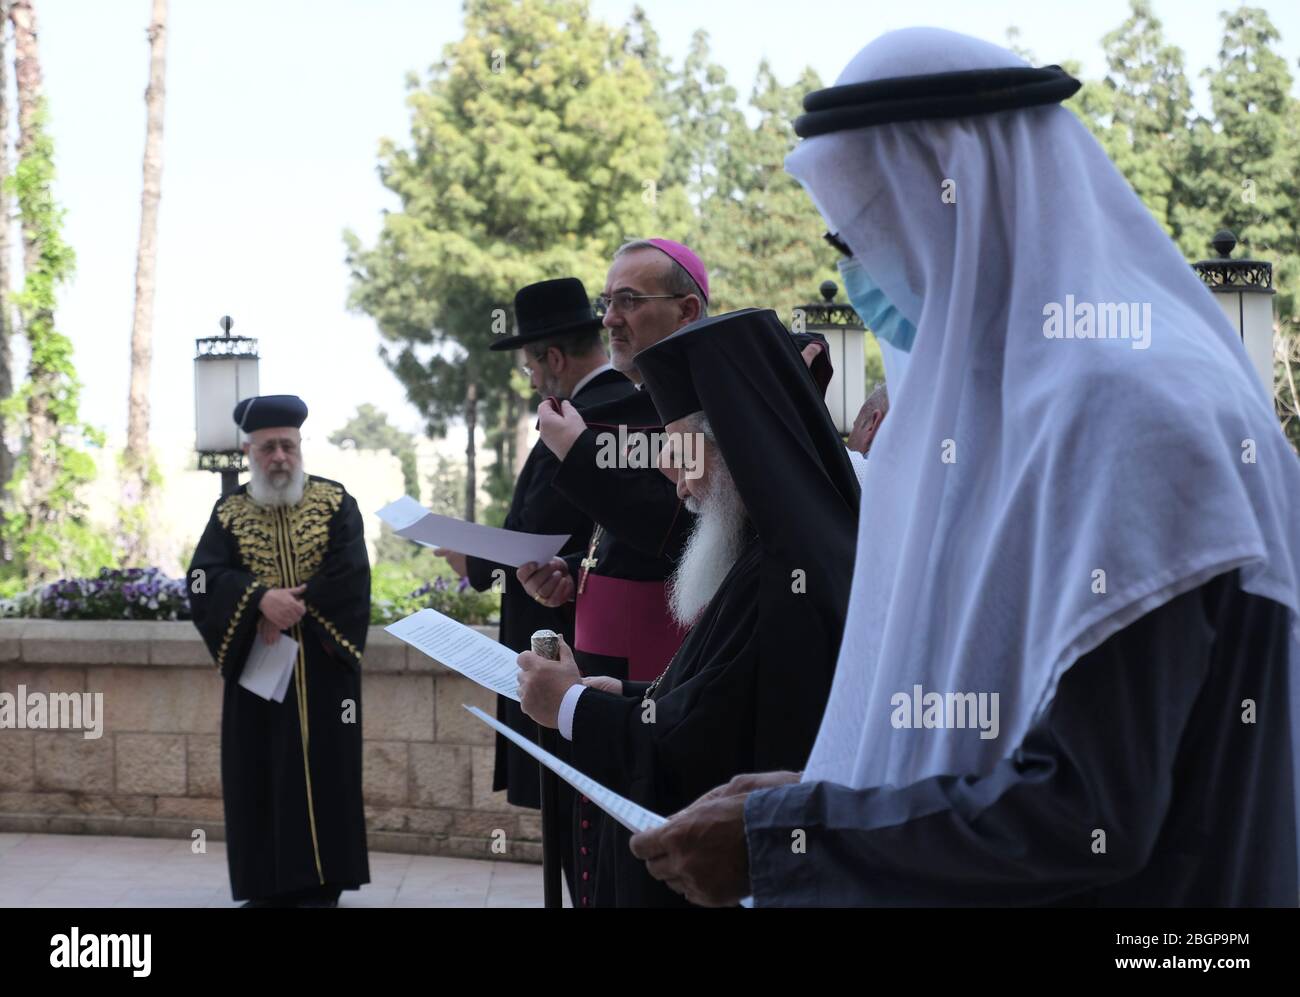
(283, 522)
(254, 529)
(300, 687)
(309, 527)
(233, 625)
(333, 632)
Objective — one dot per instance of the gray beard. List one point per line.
(263, 491)
(715, 543)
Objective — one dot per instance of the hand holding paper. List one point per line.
(411, 520)
(461, 648)
(631, 815)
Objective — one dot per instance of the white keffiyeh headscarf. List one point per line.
(1028, 496)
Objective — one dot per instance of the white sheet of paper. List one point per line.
(411, 520)
(631, 815)
(492, 665)
(269, 666)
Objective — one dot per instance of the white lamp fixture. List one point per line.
(225, 373)
(1244, 290)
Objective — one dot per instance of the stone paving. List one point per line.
(68, 870)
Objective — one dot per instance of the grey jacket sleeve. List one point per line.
(1102, 760)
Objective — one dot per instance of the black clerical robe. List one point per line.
(721, 709)
(748, 686)
(1150, 741)
(536, 507)
(290, 771)
(641, 529)
(640, 526)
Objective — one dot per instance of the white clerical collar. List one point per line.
(595, 373)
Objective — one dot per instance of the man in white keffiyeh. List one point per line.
(1069, 669)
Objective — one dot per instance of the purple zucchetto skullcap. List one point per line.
(687, 260)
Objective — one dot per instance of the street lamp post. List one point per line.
(1244, 290)
(845, 335)
(225, 373)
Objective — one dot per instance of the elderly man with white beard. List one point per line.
(286, 554)
(763, 584)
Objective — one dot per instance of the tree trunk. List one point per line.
(6, 310)
(471, 422)
(42, 426)
(505, 444)
(27, 71)
(136, 488)
(524, 419)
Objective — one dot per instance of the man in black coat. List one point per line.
(283, 557)
(559, 334)
(607, 468)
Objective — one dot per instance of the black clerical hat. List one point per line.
(770, 426)
(270, 411)
(550, 308)
(666, 367)
(933, 95)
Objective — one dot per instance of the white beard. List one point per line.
(264, 491)
(715, 543)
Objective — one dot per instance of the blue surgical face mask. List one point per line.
(895, 361)
(876, 311)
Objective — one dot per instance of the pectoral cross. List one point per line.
(589, 562)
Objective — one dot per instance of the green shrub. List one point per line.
(398, 589)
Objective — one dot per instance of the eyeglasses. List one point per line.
(527, 366)
(626, 301)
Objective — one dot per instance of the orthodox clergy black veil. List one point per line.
(746, 690)
(801, 498)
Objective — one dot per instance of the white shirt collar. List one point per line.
(595, 373)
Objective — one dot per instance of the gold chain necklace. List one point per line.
(655, 684)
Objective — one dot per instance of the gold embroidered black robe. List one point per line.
(291, 771)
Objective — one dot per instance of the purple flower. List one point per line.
(464, 584)
(93, 597)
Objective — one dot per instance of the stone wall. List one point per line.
(156, 769)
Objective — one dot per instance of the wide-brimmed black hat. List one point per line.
(550, 308)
